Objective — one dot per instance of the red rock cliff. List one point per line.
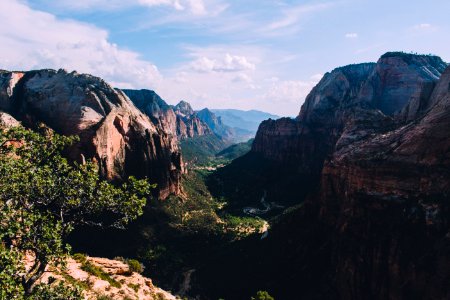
(112, 131)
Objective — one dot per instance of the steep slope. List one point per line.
(116, 282)
(112, 131)
(362, 96)
(374, 223)
(197, 141)
(189, 125)
(397, 182)
(180, 120)
(216, 125)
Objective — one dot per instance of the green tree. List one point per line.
(43, 196)
(262, 295)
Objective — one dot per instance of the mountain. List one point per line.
(246, 120)
(236, 150)
(370, 160)
(112, 131)
(180, 120)
(198, 141)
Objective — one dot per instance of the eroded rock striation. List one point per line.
(367, 98)
(387, 196)
(180, 120)
(377, 136)
(112, 130)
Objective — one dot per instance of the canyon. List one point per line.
(352, 193)
(373, 223)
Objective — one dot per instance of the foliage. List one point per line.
(236, 150)
(58, 292)
(262, 295)
(43, 196)
(79, 257)
(98, 272)
(200, 150)
(135, 266)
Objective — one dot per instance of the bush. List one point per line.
(58, 292)
(262, 295)
(135, 266)
(98, 272)
(79, 257)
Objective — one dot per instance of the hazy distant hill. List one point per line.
(248, 120)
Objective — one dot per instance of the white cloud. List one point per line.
(289, 91)
(197, 7)
(227, 63)
(425, 27)
(294, 14)
(35, 39)
(351, 35)
(242, 77)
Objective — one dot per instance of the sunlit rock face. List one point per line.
(180, 120)
(112, 130)
(377, 137)
(350, 103)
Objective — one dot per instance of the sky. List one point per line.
(247, 54)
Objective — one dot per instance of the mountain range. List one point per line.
(349, 200)
(369, 155)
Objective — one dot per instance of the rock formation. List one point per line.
(377, 137)
(127, 285)
(180, 120)
(112, 131)
(365, 97)
(216, 124)
(387, 197)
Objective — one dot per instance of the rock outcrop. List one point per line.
(377, 136)
(366, 97)
(7, 121)
(112, 130)
(216, 125)
(180, 120)
(120, 284)
(387, 197)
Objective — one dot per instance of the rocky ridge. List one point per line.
(180, 120)
(127, 285)
(376, 136)
(112, 130)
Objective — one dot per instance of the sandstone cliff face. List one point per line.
(189, 124)
(180, 121)
(384, 135)
(401, 84)
(112, 131)
(387, 196)
(357, 98)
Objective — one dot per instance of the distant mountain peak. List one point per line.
(184, 108)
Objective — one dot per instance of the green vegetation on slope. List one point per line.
(42, 198)
(236, 150)
(200, 150)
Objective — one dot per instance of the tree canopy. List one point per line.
(42, 197)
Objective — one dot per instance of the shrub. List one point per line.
(134, 287)
(98, 272)
(262, 295)
(135, 266)
(79, 257)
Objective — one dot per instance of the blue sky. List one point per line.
(248, 54)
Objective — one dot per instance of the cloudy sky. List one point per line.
(247, 54)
